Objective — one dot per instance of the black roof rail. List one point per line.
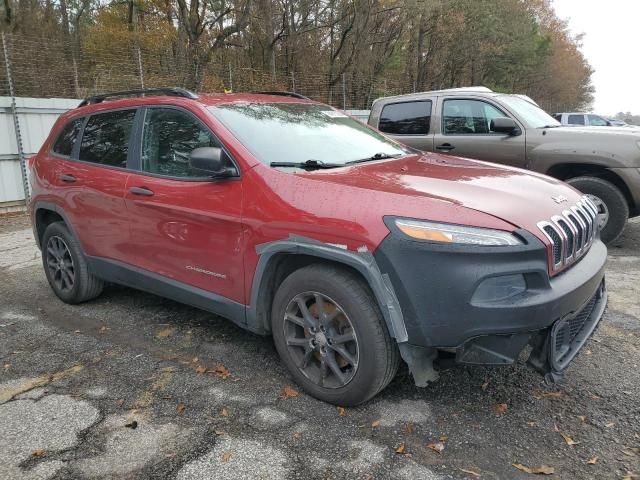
(170, 91)
(284, 94)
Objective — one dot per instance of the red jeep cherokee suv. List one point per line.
(294, 220)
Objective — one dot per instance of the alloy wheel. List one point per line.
(321, 340)
(60, 264)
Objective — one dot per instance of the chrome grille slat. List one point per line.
(571, 233)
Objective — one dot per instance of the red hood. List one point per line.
(516, 196)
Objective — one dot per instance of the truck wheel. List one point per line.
(330, 334)
(65, 266)
(612, 206)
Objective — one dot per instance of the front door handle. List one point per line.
(68, 178)
(145, 192)
(445, 147)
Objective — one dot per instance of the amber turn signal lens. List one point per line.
(424, 234)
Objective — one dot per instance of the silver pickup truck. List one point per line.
(603, 162)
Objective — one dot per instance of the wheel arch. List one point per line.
(567, 171)
(280, 258)
(44, 214)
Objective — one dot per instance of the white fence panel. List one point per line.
(36, 117)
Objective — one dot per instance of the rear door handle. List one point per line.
(145, 192)
(68, 178)
(445, 147)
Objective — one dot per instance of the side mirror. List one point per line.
(504, 125)
(211, 162)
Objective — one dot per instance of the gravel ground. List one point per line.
(134, 386)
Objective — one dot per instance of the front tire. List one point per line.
(65, 266)
(330, 334)
(611, 203)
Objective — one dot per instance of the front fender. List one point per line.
(363, 262)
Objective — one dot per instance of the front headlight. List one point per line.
(445, 233)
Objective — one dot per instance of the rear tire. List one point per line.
(313, 353)
(65, 266)
(612, 203)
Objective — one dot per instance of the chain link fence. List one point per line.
(40, 67)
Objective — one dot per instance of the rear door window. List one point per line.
(105, 139)
(468, 117)
(406, 118)
(67, 138)
(576, 120)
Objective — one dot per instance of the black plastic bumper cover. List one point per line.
(435, 285)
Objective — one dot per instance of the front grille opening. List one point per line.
(579, 229)
(570, 233)
(570, 237)
(557, 243)
(587, 222)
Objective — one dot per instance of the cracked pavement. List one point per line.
(125, 386)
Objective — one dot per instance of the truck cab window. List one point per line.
(406, 118)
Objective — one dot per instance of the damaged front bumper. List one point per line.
(452, 317)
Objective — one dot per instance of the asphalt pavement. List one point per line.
(133, 386)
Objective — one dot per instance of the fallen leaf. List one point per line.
(552, 394)
(201, 369)
(532, 424)
(593, 461)
(288, 392)
(437, 447)
(164, 333)
(194, 360)
(132, 425)
(470, 472)
(444, 438)
(375, 424)
(409, 428)
(226, 456)
(400, 450)
(104, 329)
(609, 425)
(180, 408)
(555, 427)
(541, 470)
(500, 408)
(222, 372)
(341, 412)
(219, 432)
(120, 402)
(224, 412)
(39, 452)
(297, 435)
(582, 418)
(484, 385)
(568, 439)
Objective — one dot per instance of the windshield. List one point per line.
(529, 113)
(298, 132)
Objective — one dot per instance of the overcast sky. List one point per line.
(612, 47)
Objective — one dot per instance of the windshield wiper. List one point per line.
(308, 164)
(377, 156)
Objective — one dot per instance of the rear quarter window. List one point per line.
(406, 118)
(576, 120)
(68, 138)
